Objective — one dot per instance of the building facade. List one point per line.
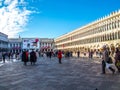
(3, 42)
(104, 31)
(46, 44)
(15, 45)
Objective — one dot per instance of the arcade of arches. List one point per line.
(104, 31)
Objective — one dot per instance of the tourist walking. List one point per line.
(25, 57)
(107, 60)
(9, 55)
(50, 54)
(59, 56)
(3, 56)
(90, 54)
(33, 57)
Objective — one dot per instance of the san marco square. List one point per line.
(47, 74)
(59, 45)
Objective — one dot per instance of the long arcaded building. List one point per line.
(104, 31)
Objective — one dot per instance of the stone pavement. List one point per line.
(47, 74)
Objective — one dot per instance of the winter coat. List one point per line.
(33, 57)
(25, 56)
(59, 54)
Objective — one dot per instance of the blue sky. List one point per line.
(53, 18)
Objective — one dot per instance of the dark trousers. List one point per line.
(60, 60)
(4, 60)
(113, 70)
(103, 66)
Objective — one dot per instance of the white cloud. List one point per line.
(12, 17)
(7, 2)
(0, 3)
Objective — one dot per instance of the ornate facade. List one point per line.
(39, 44)
(15, 45)
(46, 44)
(104, 31)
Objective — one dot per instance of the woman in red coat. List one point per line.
(59, 56)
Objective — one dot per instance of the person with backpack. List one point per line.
(117, 59)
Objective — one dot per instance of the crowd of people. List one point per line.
(30, 56)
(33, 55)
(9, 56)
(107, 57)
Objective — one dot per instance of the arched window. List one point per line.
(105, 37)
(118, 23)
(112, 25)
(115, 35)
(115, 24)
(119, 34)
(106, 26)
(112, 36)
(109, 36)
(109, 26)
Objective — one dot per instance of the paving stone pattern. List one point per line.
(48, 74)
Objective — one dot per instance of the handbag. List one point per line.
(109, 60)
(118, 63)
